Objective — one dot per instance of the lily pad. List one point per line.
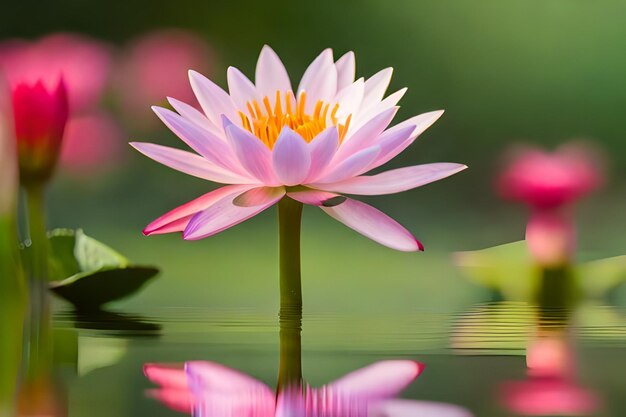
(510, 270)
(506, 268)
(88, 273)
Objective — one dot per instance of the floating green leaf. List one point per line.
(510, 269)
(88, 273)
(506, 268)
(600, 276)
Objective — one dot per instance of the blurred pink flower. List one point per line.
(40, 114)
(549, 183)
(92, 142)
(546, 180)
(83, 62)
(155, 66)
(311, 144)
(211, 389)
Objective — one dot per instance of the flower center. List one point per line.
(266, 122)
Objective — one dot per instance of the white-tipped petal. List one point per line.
(214, 101)
(271, 75)
(210, 146)
(376, 86)
(319, 80)
(346, 70)
(420, 123)
(195, 116)
(190, 163)
(396, 180)
(241, 89)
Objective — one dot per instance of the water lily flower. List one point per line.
(549, 183)
(154, 66)
(40, 112)
(312, 144)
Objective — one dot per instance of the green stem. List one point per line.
(38, 328)
(289, 219)
(290, 366)
(38, 261)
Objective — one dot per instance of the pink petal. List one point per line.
(222, 391)
(221, 216)
(374, 224)
(317, 197)
(349, 99)
(319, 80)
(346, 70)
(241, 89)
(259, 196)
(190, 163)
(214, 101)
(351, 166)
(175, 399)
(291, 157)
(208, 145)
(364, 115)
(391, 148)
(195, 116)
(253, 155)
(176, 220)
(380, 380)
(175, 392)
(166, 375)
(397, 180)
(323, 148)
(271, 75)
(206, 376)
(375, 87)
(367, 135)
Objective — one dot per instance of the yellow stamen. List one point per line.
(266, 122)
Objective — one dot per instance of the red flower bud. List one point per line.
(40, 115)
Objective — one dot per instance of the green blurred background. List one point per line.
(540, 72)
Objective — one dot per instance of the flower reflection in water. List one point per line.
(552, 386)
(210, 389)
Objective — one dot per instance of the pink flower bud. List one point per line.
(547, 180)
(40, 114)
